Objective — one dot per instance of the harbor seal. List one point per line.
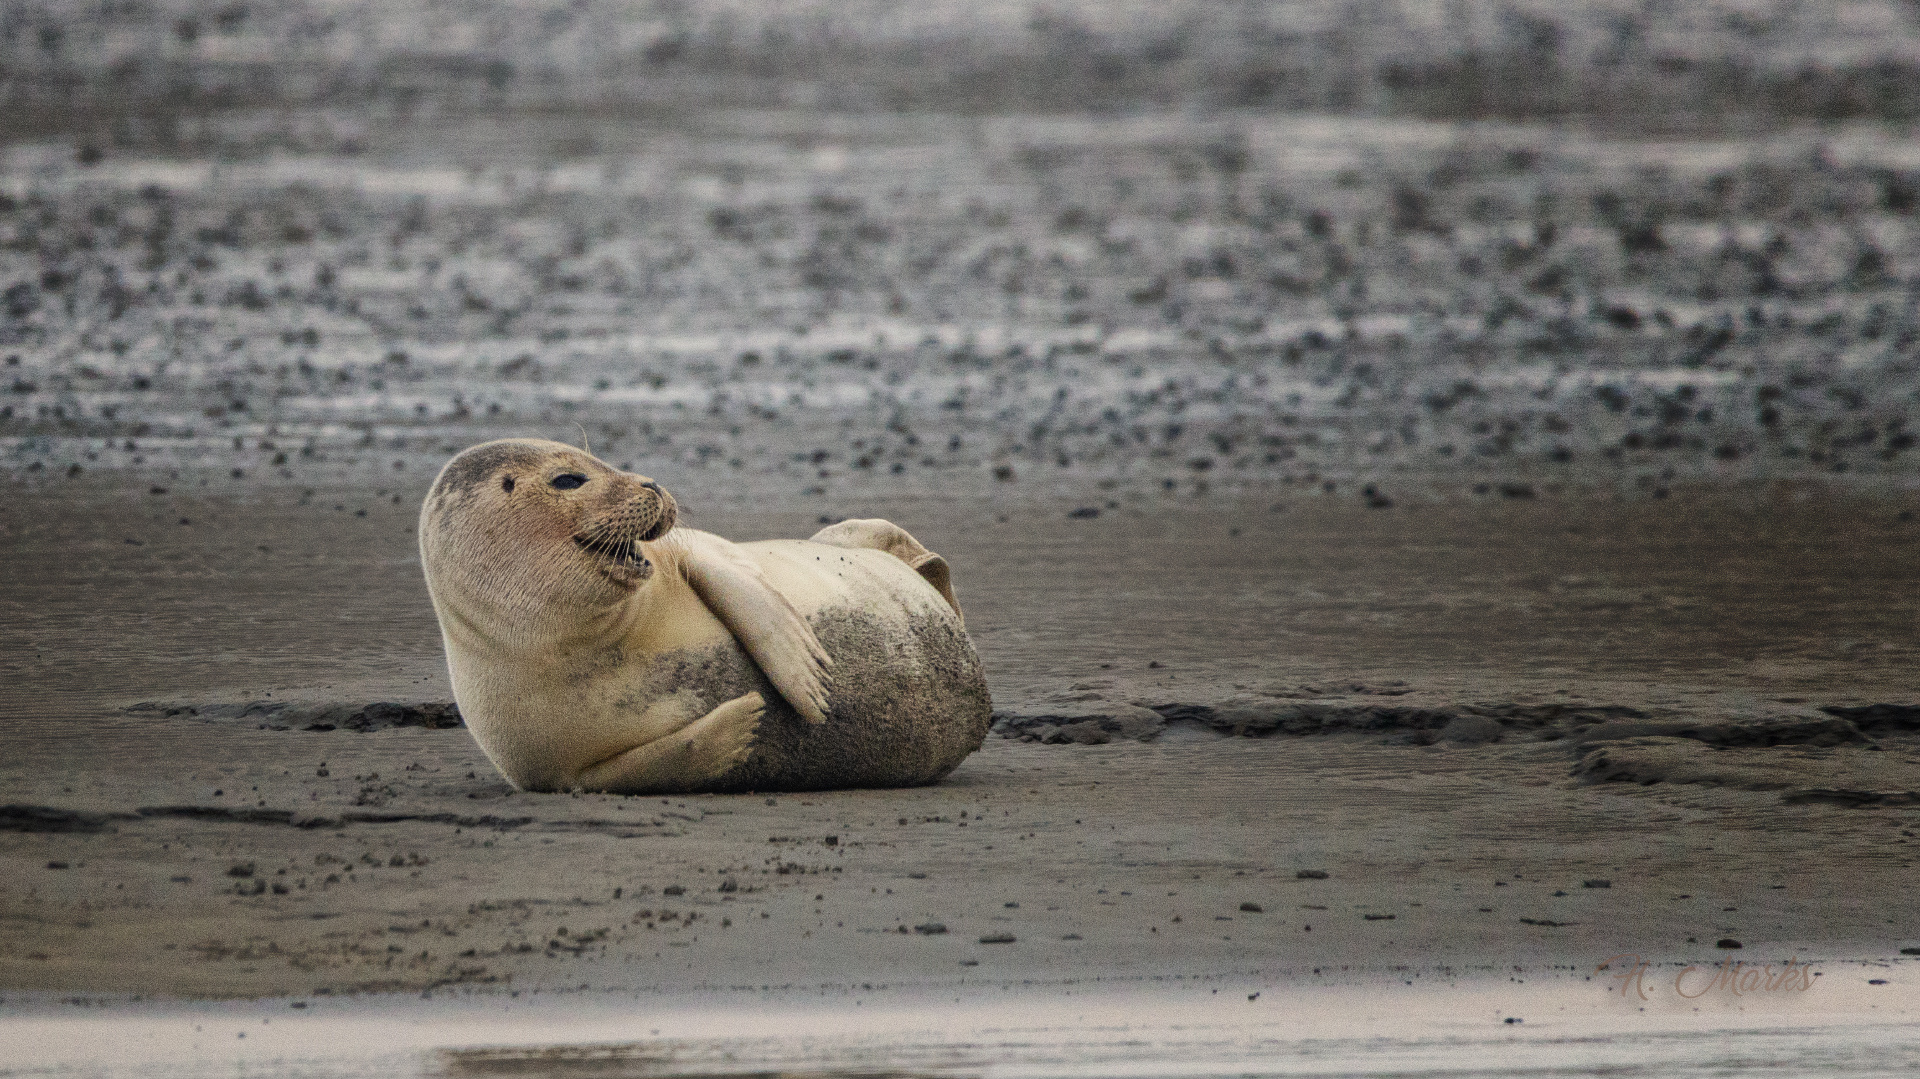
(594, 645)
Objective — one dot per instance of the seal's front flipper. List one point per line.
(760, 618)
(883, 535)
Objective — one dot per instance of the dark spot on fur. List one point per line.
(507, 484)
(478, 465)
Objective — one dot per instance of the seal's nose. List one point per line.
(656, 503)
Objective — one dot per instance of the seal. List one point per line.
(594, 645)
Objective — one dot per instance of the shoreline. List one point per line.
(1538, 1024)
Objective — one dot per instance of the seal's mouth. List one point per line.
(621, 560)
(620, 552)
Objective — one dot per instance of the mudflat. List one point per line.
(1400, 550)
(1286, 737)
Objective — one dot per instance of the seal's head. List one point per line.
(516, 529)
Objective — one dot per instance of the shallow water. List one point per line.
(1549, 1026)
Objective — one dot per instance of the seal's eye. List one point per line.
(567, 481)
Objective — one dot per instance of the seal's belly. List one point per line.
(909, 702)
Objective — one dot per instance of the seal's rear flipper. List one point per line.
(883, 535)
(760, 618)
(934, 569)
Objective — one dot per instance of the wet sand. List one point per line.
(1549, 733)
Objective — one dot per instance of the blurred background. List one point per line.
(1371, 248)
(1635, 65)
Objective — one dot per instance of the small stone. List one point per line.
(1596, 884)
(1728, 942)
(997, 938)
(1251, 908)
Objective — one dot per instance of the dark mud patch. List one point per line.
(1089, 722)
(1739, 732)
(56, 819)
(1085, 719)
(1854, 776)
(1091, 719)
(324, 819)
(1851, 799)
(1857, 757)
(49, 819)
(356, 716)
(1880, 718)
